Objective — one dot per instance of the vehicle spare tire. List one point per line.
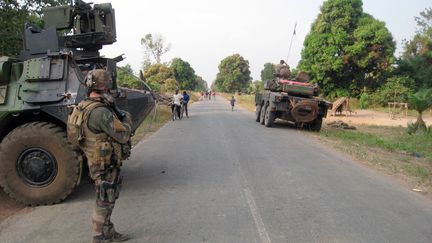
(37, 164)
(305, 111)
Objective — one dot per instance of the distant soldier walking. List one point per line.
(105, 140)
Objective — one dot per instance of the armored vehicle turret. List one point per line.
(37, 164)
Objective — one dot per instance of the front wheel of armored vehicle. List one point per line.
(269, 118)
(258, 113)
(37, 164)
(316, 125)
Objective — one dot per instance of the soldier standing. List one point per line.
(105, 142)
(283, 70)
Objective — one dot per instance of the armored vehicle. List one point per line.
(294, 100)
(37, 164)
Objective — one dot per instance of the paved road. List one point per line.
(221, 177)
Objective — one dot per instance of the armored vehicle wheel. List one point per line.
(315, 126)
(262, 115)
(258, 113)
(269, 118)
(37, 164)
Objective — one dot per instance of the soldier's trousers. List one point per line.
(101, 218)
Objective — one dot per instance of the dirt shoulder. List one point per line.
(378, 118)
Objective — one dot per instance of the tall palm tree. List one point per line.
(421, 101)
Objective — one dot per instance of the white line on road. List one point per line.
(256, 216)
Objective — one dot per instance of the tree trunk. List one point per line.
(420, 124)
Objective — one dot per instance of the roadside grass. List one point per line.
(389, 149)
(153, 123)
(150, 126)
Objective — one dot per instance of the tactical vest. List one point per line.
(99, 148)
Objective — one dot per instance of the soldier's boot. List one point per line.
(112, 235)
(117, 237)
(100, 239)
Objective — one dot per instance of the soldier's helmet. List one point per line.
(99, 80)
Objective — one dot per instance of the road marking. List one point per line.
(256, 216)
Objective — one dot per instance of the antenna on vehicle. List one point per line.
(292, 37)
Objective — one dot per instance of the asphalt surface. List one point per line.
(221, 177)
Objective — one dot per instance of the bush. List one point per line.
(414, 128)
(364, 101)
(396, 89)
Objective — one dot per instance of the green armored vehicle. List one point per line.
(295, 101)
(37, 164)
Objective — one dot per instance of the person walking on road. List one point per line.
(186, 99)
(177, 99)
(106, 142)
(232, 101)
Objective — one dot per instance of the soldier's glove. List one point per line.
(127, 118)
(126, 150)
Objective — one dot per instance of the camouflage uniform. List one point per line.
(282, 70)
(106, 144)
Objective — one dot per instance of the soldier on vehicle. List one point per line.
(282, 70)
(106, 142)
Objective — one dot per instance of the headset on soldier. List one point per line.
(104, 87)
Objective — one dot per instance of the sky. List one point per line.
(203, 32)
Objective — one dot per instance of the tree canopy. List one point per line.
(416, 60)
(126, 78)
(201, 84)
(160, 78)
(154, 47)
(268, 72)
(184, 74)
(347, 50)
(233, 75)
(13, 16)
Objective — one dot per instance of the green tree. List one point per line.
(154, 46)
(184, 74)
(396, 89)
(268, 72)
(416, 60)
(233, 75)
(201, 84)
(255, 87)
(126, 78)
(13, 16)
(346, 49)
(421, 101)
(160, 77)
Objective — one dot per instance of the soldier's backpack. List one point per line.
(78, 116)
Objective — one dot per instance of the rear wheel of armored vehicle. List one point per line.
(37, 164)
(316, 125)
(262, 114)
(258, 113)
(269, 118)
